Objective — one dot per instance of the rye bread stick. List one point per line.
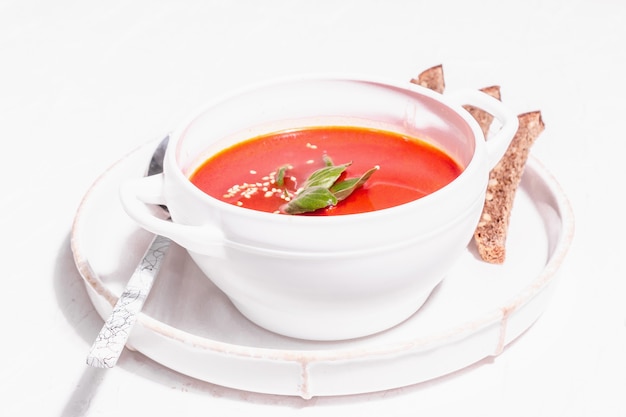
(491, 232)
(504, 178)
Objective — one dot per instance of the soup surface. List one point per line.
(265, 172)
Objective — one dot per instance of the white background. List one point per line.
(82, 83)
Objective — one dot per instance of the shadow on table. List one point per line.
(81, 315)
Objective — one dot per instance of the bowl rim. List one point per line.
(475, 163)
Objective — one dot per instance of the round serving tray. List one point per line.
(190, 326)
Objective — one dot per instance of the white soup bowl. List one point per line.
(332, 277)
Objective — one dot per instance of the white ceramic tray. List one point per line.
(190, 326)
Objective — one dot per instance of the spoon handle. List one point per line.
(111, 340)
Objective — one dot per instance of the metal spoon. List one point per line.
(111, 340)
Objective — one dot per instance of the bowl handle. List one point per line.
(498, 143)
(137, 194)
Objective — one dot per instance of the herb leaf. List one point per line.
(280, 175)
(321, 189)
(310, 199)
(325, 177)
(343, 189)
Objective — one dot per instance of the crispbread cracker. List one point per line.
(491, 231)
(432, 78)
(504, 178)
(484, 118)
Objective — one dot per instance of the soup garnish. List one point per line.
(292, 171)
(323, 189)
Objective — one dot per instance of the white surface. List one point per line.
(82, 83)
(201, 334)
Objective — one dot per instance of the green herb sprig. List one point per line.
(322, 189)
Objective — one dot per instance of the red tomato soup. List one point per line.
(246, 173)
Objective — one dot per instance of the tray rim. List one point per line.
(104, 299)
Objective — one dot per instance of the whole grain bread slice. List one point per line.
(491, 232)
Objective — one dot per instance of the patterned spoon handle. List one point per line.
(111, 340)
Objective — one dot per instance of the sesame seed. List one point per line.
(253, 172)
